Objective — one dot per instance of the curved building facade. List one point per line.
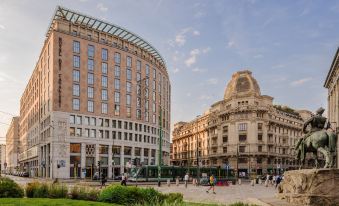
(244, 130)
(95, 97)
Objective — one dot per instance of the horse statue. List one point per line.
(320, 138)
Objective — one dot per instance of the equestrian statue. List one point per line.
(319, 137)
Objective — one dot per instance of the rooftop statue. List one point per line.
(320, 137)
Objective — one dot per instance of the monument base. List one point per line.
(310, 187)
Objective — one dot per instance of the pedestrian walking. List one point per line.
(103, 180)
(213, 181)
(278, 180)
(186, 179)
(123, 180)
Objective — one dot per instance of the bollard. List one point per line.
(168, 182)
(177, 181)
(260, 181)
(266, 183)
(252, 182)
(239, 181)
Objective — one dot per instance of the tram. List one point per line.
(150, 173)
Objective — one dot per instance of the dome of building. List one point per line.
(242, 83)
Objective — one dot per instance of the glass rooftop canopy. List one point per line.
(93, 23)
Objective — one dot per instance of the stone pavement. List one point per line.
(258, 194)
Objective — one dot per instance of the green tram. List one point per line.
(150, 173)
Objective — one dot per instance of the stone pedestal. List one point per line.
(310, 187)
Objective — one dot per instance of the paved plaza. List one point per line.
(226, 194)
(257, 194)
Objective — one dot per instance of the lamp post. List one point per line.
(198, 170)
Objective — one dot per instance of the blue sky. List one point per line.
(288, 45)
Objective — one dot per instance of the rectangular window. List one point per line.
(117, 110)
(138, 66)
(90, 51)
(76, 75)
(153, 119)
(129, 61)
(128, 112)
(154, 96)
(154, 85)
(104, 54)
(104, 68)
(128, 100)
(117, 59)
(147, 70)
(104, 95)
(76, 90)
(128, 87)
(92, 133)
(72, 131)
(90, 65)
(76, 47)
(242, 149)
(72, 119)
(86, 121)
(146, 117)
(138, 77)
(242, 137)
(78, 132)
(153, 107)
(138, 114)
(117, 71)
(104, 108)
(242, 126)
(129, 74)
(138, 102)
(90, 92)
(76, 104)
(76, 61)
(154, 73)
(104, 81)
(75, 148)
(90, 106)
(259, 126)
(90, 78)
(117, 84)
(116, 97)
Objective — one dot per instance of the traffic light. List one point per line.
(133, 162)
(99, 163)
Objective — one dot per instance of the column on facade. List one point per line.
(48, 161)
(83, 158)
(149, 155)
(110, 167)
(142, 158)
(97, 158)
(122, 159)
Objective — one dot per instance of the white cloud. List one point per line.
(206, 50)
(230, 44)
(102, 7)
(212, 81)
(204, 97)
(176, 70)
(258, 56)
(2, 26)
(300, 81)
(197, 69)
(180, 38)
(196, 33)
(194, 54)
(188, 94)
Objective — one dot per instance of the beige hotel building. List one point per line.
(12, 145)
(244, 130)
(95, 94)
(332, 84)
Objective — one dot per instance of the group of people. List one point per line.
(273, 179)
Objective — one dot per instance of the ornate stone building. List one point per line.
(332, 84)
(95, 96)
(244, 130)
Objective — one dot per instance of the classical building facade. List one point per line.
(332, 84)
(244, 130)
(12, 145)
(2, 158)
(96, 94)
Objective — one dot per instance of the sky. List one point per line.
(288, 45)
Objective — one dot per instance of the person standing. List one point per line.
(123, 180)
(212, 183)
(186, 179)
(103, 180)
